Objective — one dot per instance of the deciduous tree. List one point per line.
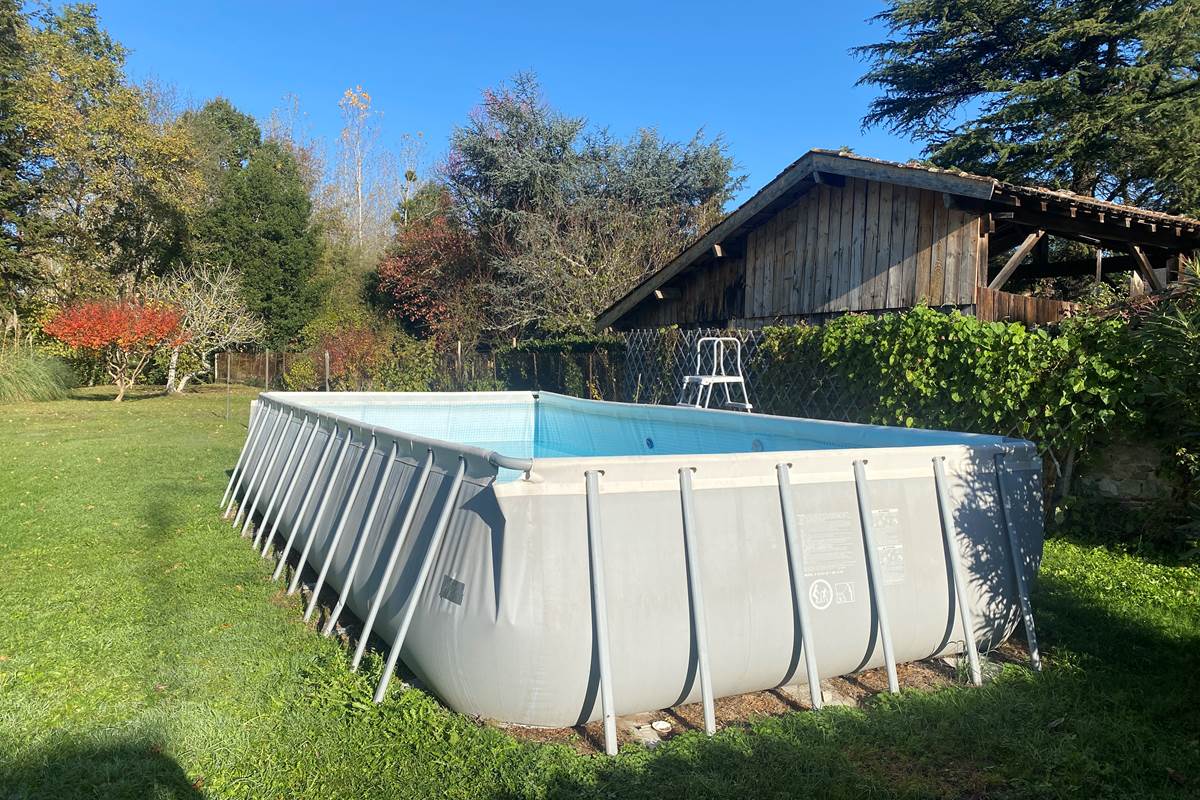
(125, 334)
(214, 318)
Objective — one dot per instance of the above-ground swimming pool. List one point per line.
(545, 560)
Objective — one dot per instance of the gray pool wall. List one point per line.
(503, 628)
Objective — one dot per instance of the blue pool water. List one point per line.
(554, 426)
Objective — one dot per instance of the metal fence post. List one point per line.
(327, 370)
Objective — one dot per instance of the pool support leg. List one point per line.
(251, 427)
(267, 475)
(783, 477)
(251, 444)
(874, 579)
(340, 528)
(1015, 552)
(699, 619)
(393, 557)
(255, 475)
(314, 529)
(410, 608)
(600, 609)
(308, 496)
(363, 536)
(292, 482)
(288, 467)
(950, 537)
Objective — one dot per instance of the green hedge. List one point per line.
(925, 368)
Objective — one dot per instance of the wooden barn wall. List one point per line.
(862, 247)
(711, 294)
(865, 246)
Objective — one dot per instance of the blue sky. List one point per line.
(775, 78)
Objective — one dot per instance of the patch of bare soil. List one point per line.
(850, 690)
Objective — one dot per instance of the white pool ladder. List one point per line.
(703, 382)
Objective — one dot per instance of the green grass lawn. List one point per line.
(145, 653)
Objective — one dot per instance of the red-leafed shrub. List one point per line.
(353, 355)
(424, 273)
(124, 334)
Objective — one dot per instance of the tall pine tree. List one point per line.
(260, 223)
(1101, 98)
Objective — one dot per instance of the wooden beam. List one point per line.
(718, 251)
(1080, 267)
(667, 293)
(920, 177)
(1015, 261)
(1143, 265)
(829, 179)
(1115, 230)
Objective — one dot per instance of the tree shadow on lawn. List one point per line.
(1112, 715)
(109, 393)
(123, 769)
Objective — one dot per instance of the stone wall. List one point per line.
(1125, 470)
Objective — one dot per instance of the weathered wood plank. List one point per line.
(821, 284)
(870, 245)
(883, 250)
(783, 267)
(857, 235)
(812, 257)
(1014, 261)
(912, 221)
(953, 255)
(796, 301)
(968, 269)
(924, 246)
(895, 271)
(839, 235)
(937, 264)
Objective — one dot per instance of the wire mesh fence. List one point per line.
(658, 360)
(643, 366)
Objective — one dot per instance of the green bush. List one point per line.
(924, 368)
(26, 376)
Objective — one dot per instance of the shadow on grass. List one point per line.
(128, 769)
(1113, 715)
(109, 393)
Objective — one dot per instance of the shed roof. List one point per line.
(813, 166)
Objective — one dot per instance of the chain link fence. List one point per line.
(643, 366)
(657, 361)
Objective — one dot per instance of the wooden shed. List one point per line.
(836, 232)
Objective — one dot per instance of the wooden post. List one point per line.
(327, 370)
(1016, 259)
(267, 369)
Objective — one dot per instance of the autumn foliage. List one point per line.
(426, 277)
(124, 334)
